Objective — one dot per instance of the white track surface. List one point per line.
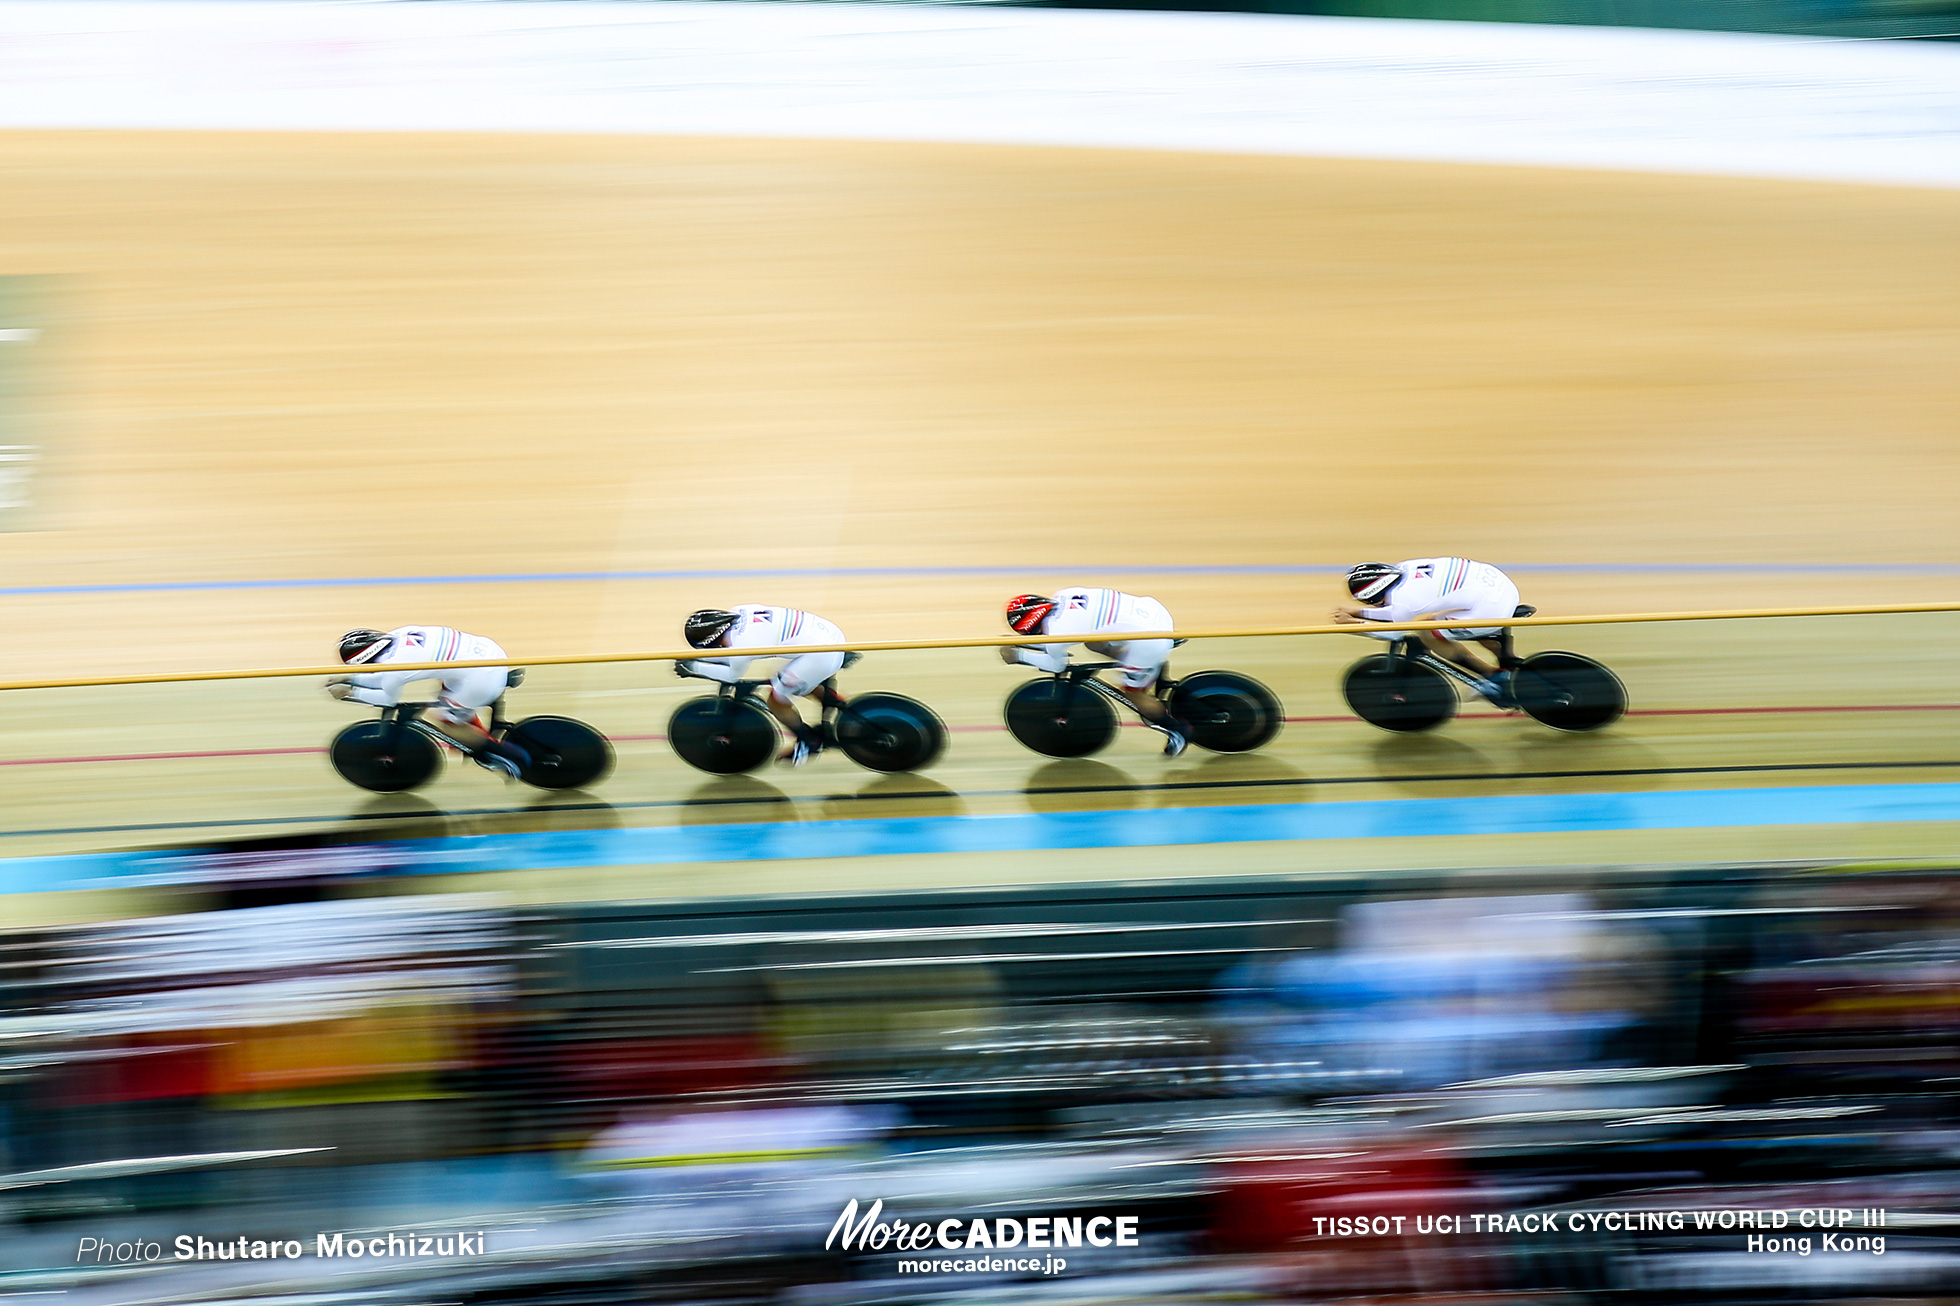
(1872, 112)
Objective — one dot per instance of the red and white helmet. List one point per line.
(1026, 612)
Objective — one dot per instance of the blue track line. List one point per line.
(1231, 569)
(1029, 832)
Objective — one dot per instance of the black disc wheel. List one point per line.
(1227, 712)
(384, 756)
(565, 754)
(1569, 692)
(1060, 719)
(723, 735)
(889, 732)
(1397, 694)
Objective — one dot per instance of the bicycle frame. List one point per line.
(1414, 650)
(827, 697)
(1084, 674)
(409, 717)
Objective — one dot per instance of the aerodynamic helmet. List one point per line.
(364, 645)
(705, 628)
(1026, 612)
(1371, 581)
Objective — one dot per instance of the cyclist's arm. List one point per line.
(1413, 601)
(382, 689)
(1051, 658)
(725, 670)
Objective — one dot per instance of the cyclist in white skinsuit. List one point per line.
(465, 691)
(1439, 589)
(1086, 612)
(752, 626)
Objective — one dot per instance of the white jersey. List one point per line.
(758, 627)
(1443, 588)
(429, 644)
(1087, 612)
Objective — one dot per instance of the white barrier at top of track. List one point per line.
(1615, 98)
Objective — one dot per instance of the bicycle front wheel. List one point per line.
(1060, 719)
(384, 756)
(724, 736)
(1397, 694)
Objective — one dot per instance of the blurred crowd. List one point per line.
(1301, 1090)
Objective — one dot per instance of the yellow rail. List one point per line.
(989, 641)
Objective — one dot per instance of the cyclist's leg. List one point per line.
(1496, 603)
(784, 710)
(1143, 662)
(1142, 666)
(1448, 645)
(801, 677)
(464, 695)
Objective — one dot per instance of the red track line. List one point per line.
(1703, 711)
(158, 757)
(216, 752)
(1292, 720)
(1738, 711)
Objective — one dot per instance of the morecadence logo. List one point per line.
(979, 1239)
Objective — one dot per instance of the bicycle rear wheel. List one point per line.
(889, 732)
(1059, 719)
(724, 736)
(384, 756)
(565, 754)
(1397, 694)
(1227, 712)
(1568, 692)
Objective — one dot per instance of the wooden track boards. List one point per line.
(299, 355)
(331, 356)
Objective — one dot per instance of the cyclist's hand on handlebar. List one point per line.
(1348, 617)
(682, 669)
(340, 689)
(1010, 654)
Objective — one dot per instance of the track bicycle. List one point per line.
(729, 731)
(1408, 689)
(400, 750)
(1071, 713)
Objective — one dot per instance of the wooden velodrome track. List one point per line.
(319, 356)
